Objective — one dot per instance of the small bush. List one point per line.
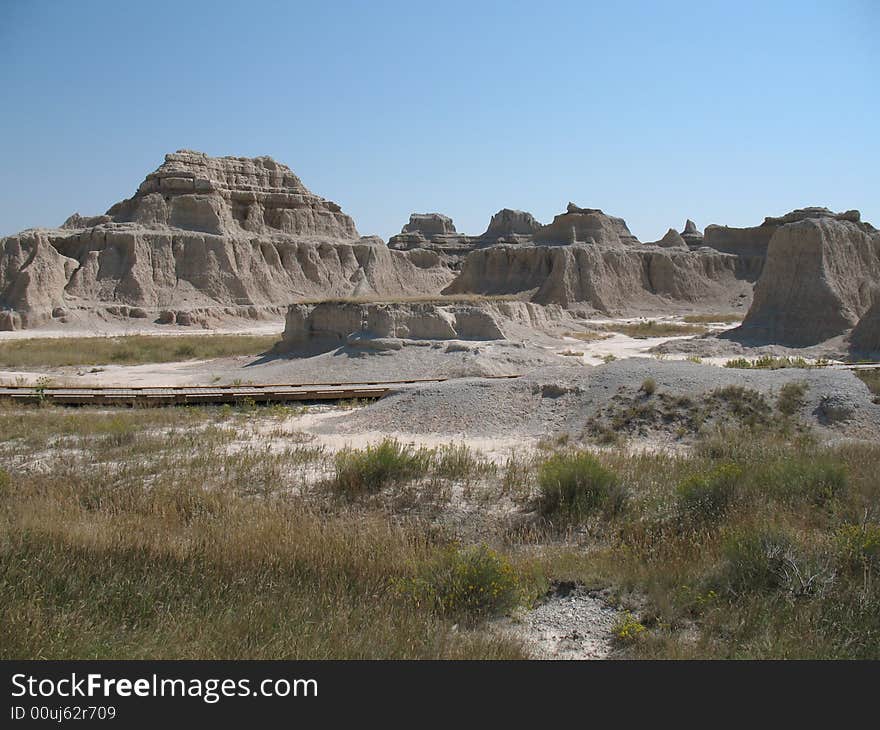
(627, 628)
(574, 486)
(458, 462)
(755, 561)
(858, 547)
(707, 497)
(466, 584)
(801, 479)
(649, 386)
(360, 471)
(791, 398)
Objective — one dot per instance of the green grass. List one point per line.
(653, 328)
(871, 378)
(369, 470)
(128, 350)
(172, 533)
(768, 362)
(574, 486)
(713, 318)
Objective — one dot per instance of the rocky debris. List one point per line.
(865, 337)
(815, 283)
(206, 232)
(605, 278)
(586, 225)
(691, 235)
(314, 328)
(571, 622)
(671, 239)
(519, 407)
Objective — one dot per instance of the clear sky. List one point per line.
(654, 111)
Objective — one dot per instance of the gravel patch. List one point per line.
(572, 623)
(559, 399)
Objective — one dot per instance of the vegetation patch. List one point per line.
(769, 362)
(729, 318)
(575, 485)
(369, 470)
(652, 328)
(128, 350)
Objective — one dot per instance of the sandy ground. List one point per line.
(344, 365)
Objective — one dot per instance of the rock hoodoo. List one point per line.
(691, 235)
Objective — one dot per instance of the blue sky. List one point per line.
(720, 111)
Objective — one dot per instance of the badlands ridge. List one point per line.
(204, 240)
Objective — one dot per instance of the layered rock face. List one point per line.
(865, 337)
(228, 195)
(671, 239)
(229, 233)
(586, 225)
(817, 279)
(606, 278)
(691, 234)
(507, 222)
(313, 328)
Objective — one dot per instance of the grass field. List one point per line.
(729, 318)
(173, 533)
(653, 328)
(128, 350)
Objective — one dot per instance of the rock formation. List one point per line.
(816, 280)
(671, 239)
(506, 223)
(865, 337)
(586, 225)
(433, 232)
(228, 233)
(691, 235)
(606, 278)
(313, 328)
(429, 224)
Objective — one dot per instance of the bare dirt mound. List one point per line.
(563, 400)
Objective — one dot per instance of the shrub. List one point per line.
(755, 561)
(368, 470)
(458, 462)
(791, 398)
(627, 628)
(466, 584)
(707, 497)
(575, 485)
(858, 547)
(801, 479)
(649, 386)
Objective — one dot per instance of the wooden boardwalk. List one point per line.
(205, 394)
